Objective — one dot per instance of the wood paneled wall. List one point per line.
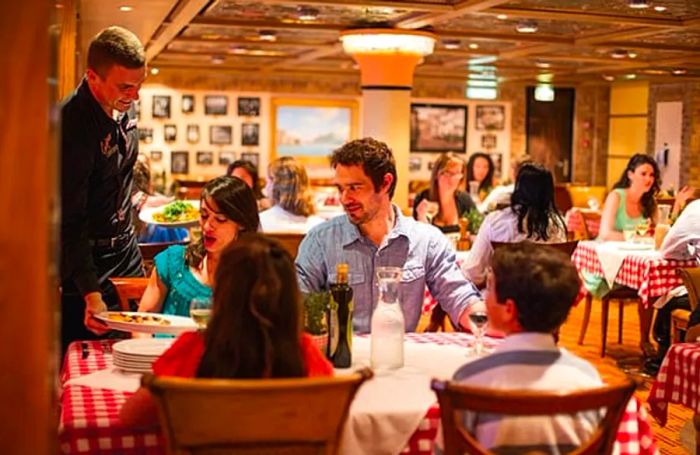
(27, 195)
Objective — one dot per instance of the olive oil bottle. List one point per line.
(341, 297)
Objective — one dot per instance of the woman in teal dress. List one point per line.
(181, 274)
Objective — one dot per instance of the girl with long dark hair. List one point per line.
(480, 169)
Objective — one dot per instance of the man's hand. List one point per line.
(95, 305)
(156, 200)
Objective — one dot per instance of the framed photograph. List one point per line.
(220, 134)
(205, 158)
(146, 135)
(192, 134)
(156, 156)
(179, 162)
(414, 164)
(431, 164)
(226, 158)
(136, 109)
(250, 134)
(187, 104)
(170, 133)
(248, 107)
(490, 117)
(488, 141)
(497, 159)
(310, 130)
(161, 106)
(438, 128)
(252, 157)
(215, 105)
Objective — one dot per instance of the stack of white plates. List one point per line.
(138, 354)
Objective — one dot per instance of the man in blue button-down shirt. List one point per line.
(373, 233)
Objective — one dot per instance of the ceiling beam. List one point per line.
(648, 46)
(180, 19)
(527, 50)
(393, 4)
(317, 53)
(512, 37)
(585, 16)
(268, 25)
(460, 9)
(234, 41)
(629, 33)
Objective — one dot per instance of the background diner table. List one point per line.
(395, 413)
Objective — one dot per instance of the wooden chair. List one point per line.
(150, 250)
(289, 241)
(619, 294)
(565, 247)
(128, 289)
(254, 416)
(455, 397)
(562, 198)
(679, 317)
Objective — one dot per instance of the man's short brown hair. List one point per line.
(115, 46)
(374, 156)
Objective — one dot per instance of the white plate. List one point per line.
(636, 246)
(178, 324)
(146, 215)
(138, 347)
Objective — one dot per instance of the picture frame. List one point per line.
(252, 157)
(170, 133)
(161, 106)
(226, 158)
(414, 164)
(250, 134)
(136, 110)
(220, 134)
(310, 129)
(215, 105)
(248, 106)
(205, 158)
(156, 156)
(146, 135)
(192, 134)
(439, 128)
(490, 117)
(179, 162)
(489, 141)
(187, 104)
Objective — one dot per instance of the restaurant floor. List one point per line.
(669, 437)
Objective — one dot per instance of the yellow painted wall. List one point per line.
(628, 125)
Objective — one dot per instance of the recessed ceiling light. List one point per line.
(527, 26)
(306, 13)
(679, 71)
(632, 54)
(660, 8)
(267, 35)
(630, 76)
(502, 17)
(608, 77)
(541, 64)
(58, 5)
(451, 44)
(638, 4)
(217, 59)
(473, 46)
(619, 53)
(125, 8)
(155, 71)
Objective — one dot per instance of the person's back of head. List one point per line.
(533, 201)
(374, 156)
(252, 172)
(115, 46)
(255, 328)
(540, 280)
(290, 186)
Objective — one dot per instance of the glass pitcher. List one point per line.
(387, 335)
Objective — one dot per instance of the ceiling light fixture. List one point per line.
(267, 35)
(660, 8)
(502, 17)
(387, 41)
(451, 44)
(638, 4)
(217, 59)
(608, 77)
(527, 26)
(155, 71)
(125, 8)
(306, 13)
(619, 53)
(541, 64)
(632, 54)
(679, 71)
(473, 46)
(630, 76)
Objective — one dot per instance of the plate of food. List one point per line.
(174, 214)
(132, 321)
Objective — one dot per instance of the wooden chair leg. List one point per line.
(586, 318)
(621, 313)
(604, 324)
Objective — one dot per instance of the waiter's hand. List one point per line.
(156, 200)
(95, 305)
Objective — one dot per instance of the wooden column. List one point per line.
(28, 198)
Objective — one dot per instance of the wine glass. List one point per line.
(200, 311)
(642, 228)
(478, 321)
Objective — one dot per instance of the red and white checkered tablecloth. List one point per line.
(89, 421)
(650, 276)
(678, 381)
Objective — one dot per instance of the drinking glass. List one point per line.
(474, 190)
(642, 228)
(478, 321)
(432, 209)
(200, 311)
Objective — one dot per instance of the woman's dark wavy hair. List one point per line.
(648, 198)
(255, 329)
(236, 202)
(533, 201)
(484, 185)
(251, 169)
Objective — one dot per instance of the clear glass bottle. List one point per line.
(386, 352)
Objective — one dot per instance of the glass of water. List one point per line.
(478, 322)
(200, 311)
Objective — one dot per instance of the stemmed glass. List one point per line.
(478, 321)
(200, 311)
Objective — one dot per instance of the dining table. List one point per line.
(394, 412)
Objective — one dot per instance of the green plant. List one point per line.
(315, 307)
(475, 218)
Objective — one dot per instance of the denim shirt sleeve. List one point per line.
(311, 265)
(445, 281)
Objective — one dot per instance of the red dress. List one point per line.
(183, 357)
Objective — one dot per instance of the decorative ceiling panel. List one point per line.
(311, 37)
(675, 9)
(682, 37)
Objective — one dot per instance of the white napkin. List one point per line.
(111, 378)
(611, 254)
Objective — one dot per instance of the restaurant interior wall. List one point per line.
(628, 126)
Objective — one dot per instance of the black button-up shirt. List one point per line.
(97, 162)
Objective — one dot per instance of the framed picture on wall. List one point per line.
(227, 158)
(137, 109)
(488, 141)
(192, 134)
(248, 106)
(252, 157)
(179, 162)
(215, 105)
(156, 156)
(438, 128)
(250, 134)
(414, 164)
(205, 158)
(146, 135)
(161, 106)
(187, 104)
(220, 134)
(490, 117)
(170, 133)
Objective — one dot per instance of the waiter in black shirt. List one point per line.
(99, 149)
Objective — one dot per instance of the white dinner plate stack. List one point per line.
(138, 354)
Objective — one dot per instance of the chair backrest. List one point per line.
(290, 416)
(289, 241)
(128, 289)
(150, 250)
(691, 280)
(562, 198)
(455, 398)
(565, 247)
